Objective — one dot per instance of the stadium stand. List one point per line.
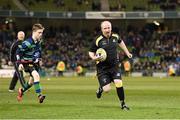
(144, 5)
(152, 51)
(93, 5)
(7, 5)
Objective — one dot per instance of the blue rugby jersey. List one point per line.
(29, 50)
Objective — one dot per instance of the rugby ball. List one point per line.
(101, 52)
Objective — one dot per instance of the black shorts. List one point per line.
(29, 67)
(106, 76)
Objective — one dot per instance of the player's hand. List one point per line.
(129, 55)
(98, 58)
(37, 60)
(21, 67)
(40, 63)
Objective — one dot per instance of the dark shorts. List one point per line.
(106, 76)
(29, 67)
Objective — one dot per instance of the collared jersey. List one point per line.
(110, 45)
(29, 50)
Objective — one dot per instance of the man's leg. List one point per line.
(120, 93)
(104, 83)
(99, 92)
(13, 82)
(19, 75)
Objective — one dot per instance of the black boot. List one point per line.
(99, 92)
(124, 106)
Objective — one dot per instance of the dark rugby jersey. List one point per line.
(110, 45)
(29, 50)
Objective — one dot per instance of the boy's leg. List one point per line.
(37, 86)
(25, 86)
(28, 84)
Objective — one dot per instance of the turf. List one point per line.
(74, 97)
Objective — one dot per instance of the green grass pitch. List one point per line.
(74, 98)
